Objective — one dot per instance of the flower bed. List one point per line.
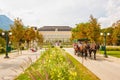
(54, 64)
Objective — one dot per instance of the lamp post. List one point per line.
(6, 34)
(105, 35)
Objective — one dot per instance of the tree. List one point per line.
(116, 34)
(39, 38)
(17, 30)
(94, 29)
(90, 30)
(81, 30)
(29, 36)
(75, 33)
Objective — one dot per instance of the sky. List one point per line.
(61, 12)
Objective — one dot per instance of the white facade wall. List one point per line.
(56, 35)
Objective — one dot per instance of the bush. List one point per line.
(113, 48)
(2, 50)
(61, 46)
(110, 48)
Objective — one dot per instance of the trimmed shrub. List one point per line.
(113, 48)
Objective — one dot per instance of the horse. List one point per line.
(80, 49)
(92, 48)
(76, 48)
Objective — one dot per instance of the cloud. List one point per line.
(61, 12)
(112, 13)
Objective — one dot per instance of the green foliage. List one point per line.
(80, 31)
(17, 30)
(2, 42)
(114, 37)
(20, 34)
(116, 34)
(110, 48)
(29, 34)
(113, 48)
(94, 29)
(39, 37)
(90, 30)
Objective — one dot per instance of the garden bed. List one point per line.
(56, 64)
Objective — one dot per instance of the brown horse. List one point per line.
(80, 49)
(76, 48)
(92, 48)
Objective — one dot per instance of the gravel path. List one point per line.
(16, 64)
(104, 68)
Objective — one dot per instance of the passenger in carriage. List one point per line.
(75, 44)
(79, 43)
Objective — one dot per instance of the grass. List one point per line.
(84, 73)
(112, 53)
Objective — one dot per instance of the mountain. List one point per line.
(5, 22)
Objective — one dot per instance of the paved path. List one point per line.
(16, 64)
(104, 68)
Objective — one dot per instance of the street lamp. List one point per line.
(6, 34)
(105, 35)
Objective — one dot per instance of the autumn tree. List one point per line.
(39, 38)
(80, 31)
(29, 36)
(17, 30)
(116, 34)
(90, 30)
(94, 29)
(75, 33)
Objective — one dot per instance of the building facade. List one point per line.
(56, 33)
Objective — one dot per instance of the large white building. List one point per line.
(56, 33)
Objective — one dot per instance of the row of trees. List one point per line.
(92, 30)
(22, 35)
(114, 31)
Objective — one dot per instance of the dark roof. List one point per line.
(53, 28)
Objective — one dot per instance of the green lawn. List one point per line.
(112, 53)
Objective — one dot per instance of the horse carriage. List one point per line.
(83, 47)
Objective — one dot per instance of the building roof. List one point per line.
(55, 28)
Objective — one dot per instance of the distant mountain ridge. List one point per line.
(5, 22)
